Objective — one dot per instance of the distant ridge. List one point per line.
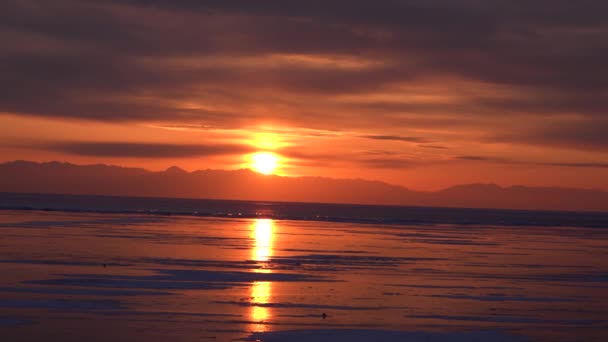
(99, 179)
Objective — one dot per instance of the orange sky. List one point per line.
(449, 93)
(339, 154)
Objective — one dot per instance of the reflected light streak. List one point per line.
(260, 294)
(262, 235)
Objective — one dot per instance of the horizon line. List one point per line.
(501, 187)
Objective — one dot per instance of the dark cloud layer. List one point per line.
(145, 150)
(474, 158)
(583, 165)
(149, 60)
(499, 160)
(398, 138)
(588, 134)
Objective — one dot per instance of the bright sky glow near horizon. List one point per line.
(420, 94)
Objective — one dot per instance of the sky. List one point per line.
(423, 94)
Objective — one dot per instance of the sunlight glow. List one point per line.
(264, 162)
(265, 141)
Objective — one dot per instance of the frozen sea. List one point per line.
(87, 268)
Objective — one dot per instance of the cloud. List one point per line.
(578, 134)
(443, 65)
(376, 159)
(145, 150)
(388, 163)
(439, 147)
(474, 158)
(500, 160)
(582, 165)
(398, 138)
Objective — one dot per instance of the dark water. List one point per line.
(301, 211)
(86, 268)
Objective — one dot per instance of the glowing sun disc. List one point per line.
(264, 162)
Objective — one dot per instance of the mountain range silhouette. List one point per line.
(66, 178)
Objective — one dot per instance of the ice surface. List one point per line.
(378, 336)
(157, 278)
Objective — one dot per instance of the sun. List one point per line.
(264, 162)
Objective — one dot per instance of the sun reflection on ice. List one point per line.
(262, 234)
(260, 294)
